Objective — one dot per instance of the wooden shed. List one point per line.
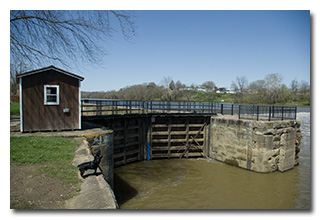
(50, 99)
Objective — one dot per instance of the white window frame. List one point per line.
(46, 102)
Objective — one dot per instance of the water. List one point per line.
(208, 184)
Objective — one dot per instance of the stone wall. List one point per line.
(101, 143)
(261, 146)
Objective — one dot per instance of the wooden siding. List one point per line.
(36, 115)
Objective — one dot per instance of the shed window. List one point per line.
(51, 95)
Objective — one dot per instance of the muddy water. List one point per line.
(208, 184)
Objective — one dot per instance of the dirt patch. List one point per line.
(31, 189)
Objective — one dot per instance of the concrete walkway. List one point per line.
(95, 191)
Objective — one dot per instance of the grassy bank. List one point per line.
(53, 154)
(14, 108)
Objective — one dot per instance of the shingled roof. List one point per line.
(50, 68)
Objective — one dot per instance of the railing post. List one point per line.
(257, 112)
(221, 109)
(126, 103)
(130, 104)
(143, 106)
(252, 111)
(116, 107)
(281, 113)
(272, 112)
(112, 108)
(269, 113)
(98, 105)
(295, 113)
(239, 111)
(163, 106)
(232, 109)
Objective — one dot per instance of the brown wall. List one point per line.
(36, 115)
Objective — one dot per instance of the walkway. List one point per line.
(95, 191)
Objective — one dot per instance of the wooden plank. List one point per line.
(175, 132)
(188, 133)
(120, 137)
(131, 127)
(118, 128)
(169, 137)
(129, 152)
(150, 139)
(193, 140)
(177, 155)
(174, 148)
(117, 146)
(175, 125)
(175, 140)
(125, 139)
(140, 137)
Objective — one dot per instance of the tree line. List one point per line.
(269, 90)
(167, 90)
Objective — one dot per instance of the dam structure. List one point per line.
(256, 138)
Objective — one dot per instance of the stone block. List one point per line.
(263, 141)
(269, 146)
(286, 159)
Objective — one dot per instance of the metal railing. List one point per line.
(101, 107)
(262, 112)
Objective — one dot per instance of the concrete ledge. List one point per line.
(95, 192)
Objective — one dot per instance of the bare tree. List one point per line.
(257, 92)
(273, 83)
(239, 86)
(304, 91)
(209, 86)
(64, 37)
(166, 82)
(294, 87)
(16, 68)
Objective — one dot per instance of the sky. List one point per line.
(198, 46)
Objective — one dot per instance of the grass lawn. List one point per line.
(53, 154)
(14, 108)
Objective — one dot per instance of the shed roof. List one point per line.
(50, 68)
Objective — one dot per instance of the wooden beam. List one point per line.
(169, 137)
